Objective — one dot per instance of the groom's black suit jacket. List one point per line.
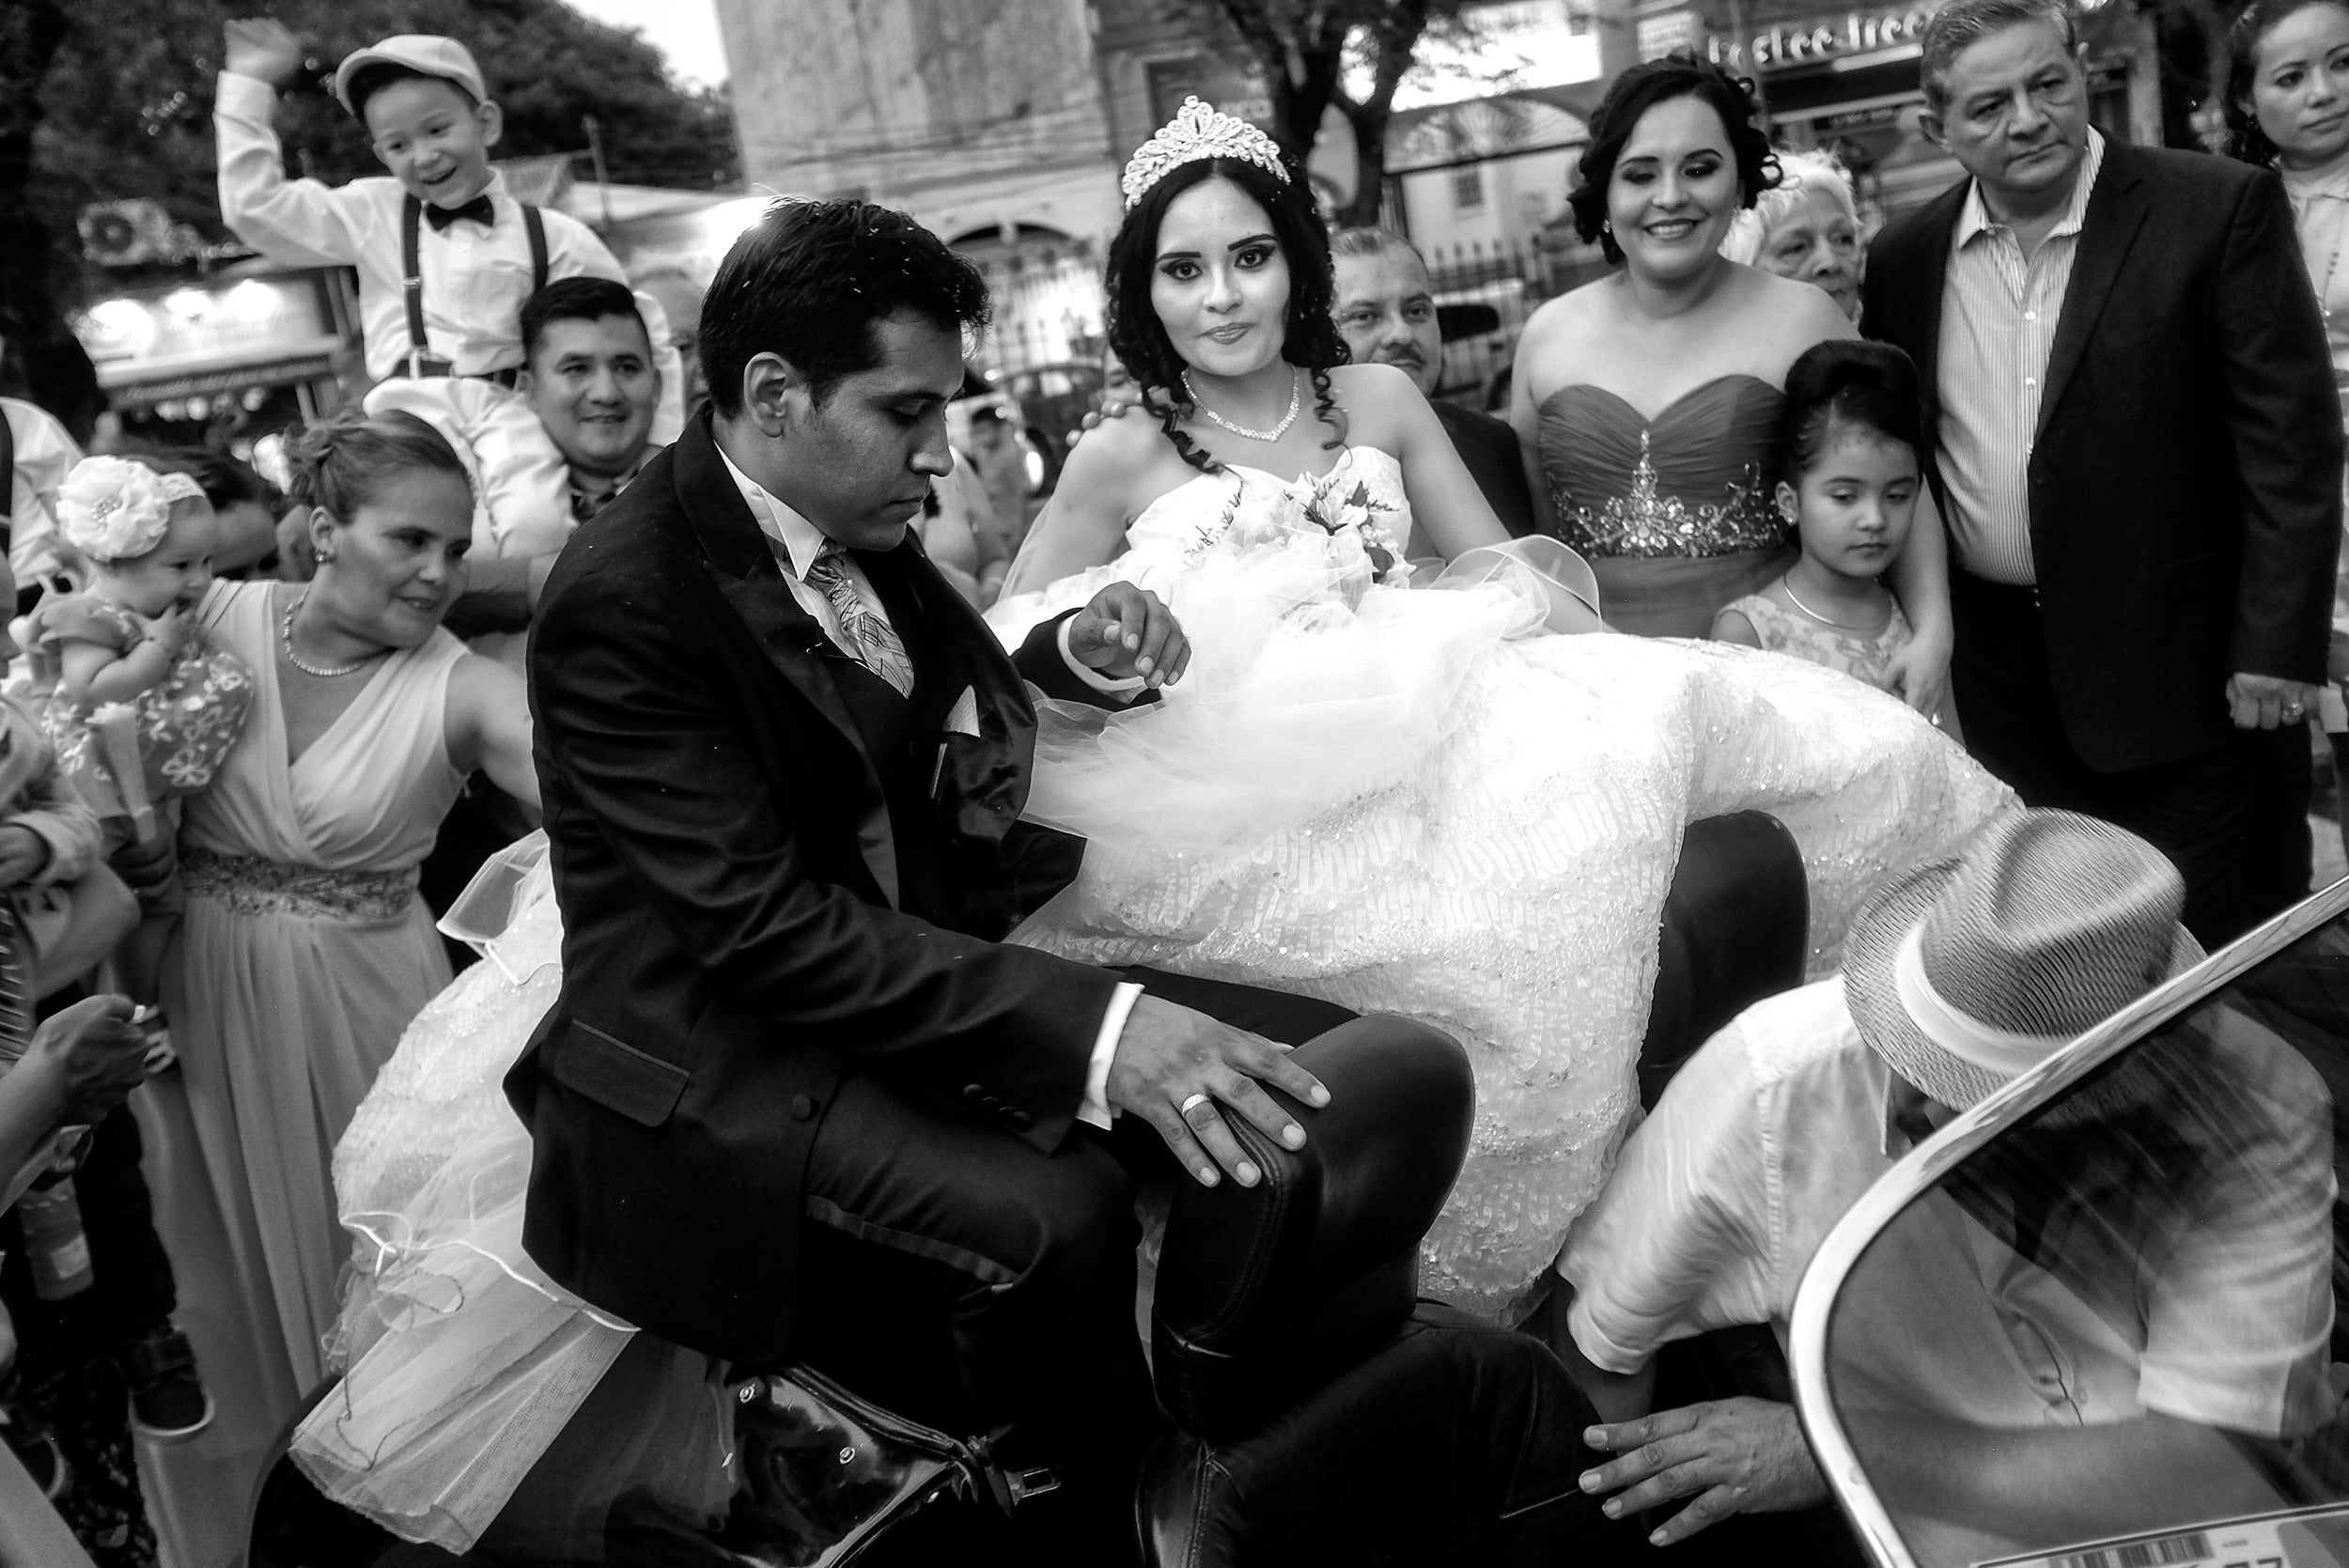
(2186, 477)
(772, 871)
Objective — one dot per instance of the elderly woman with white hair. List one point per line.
(1806, 227)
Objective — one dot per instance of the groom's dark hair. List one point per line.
(809, 280)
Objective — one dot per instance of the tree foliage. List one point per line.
(1303, 48)
(126, 102)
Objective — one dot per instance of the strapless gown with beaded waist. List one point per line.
(1406, 800)
(1673, 513)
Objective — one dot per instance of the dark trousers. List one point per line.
(2218, 816)
(964, 1280)
(131, 1290)
(68, 1376)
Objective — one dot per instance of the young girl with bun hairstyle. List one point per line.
(1851, 433)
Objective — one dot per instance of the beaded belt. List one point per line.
(253, 886)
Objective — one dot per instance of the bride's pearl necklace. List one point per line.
(1297, 388)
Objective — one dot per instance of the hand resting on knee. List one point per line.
(1180, 1070)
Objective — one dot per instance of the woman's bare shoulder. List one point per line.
(1564, 314)
(1798, 315)
(1115, 453)
(1360, 388)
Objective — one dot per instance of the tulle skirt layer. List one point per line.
(1400, 803)
(462, 1361)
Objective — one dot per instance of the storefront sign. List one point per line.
(198, 330)
(1658, 36)
(1823, 37)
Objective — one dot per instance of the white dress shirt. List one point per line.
(796, 543)
(44, 456)
(475, 280)
(1784, 1119)
(1998, 317)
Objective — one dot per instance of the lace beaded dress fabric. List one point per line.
(1862, 655)
(1397, 799)
(1673, 512)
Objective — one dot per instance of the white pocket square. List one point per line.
(963, 718)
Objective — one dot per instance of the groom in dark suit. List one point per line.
(2137, 451)
(797, 1100)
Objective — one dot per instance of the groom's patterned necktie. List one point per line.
(861, 630)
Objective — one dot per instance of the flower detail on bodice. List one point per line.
(1643, 521)
(1356, 513)
(1694, 480)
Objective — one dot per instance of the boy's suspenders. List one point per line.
(420, 357)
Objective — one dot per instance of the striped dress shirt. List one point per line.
(1998, 316)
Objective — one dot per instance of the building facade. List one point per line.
(986, 119)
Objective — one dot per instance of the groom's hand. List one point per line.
(1170, 1058)
(1128, 631)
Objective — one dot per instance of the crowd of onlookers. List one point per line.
(244, 730)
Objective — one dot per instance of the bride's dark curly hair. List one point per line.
(1309, 338)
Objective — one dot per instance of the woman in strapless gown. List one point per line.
(1675, 514)
(1648, 402)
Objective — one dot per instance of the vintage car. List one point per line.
(2090, 1323)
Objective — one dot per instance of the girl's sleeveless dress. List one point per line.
(1862, 656)
(185, 723)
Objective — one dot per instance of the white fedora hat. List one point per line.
(1963, 973)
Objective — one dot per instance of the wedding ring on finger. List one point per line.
(1191, 1105)
(2294, 713)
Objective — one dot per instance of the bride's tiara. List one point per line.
(1197, 130)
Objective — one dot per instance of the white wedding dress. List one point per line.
(1403, 800)
(1395, 799)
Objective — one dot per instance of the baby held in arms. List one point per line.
(138, 703)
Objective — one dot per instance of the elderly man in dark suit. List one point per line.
(1386, 311)
(797, 1099)
(2137, 450)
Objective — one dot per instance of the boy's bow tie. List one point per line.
(478, 209)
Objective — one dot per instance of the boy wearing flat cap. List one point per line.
(445, 256)
(2075, 1331)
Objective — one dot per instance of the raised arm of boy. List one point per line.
(299, 221)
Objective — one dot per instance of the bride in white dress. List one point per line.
(1403, 797)
(1400, 796)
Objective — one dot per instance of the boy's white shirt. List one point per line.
(475, 280)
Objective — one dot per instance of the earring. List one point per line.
(322, 555)
(1606, 225)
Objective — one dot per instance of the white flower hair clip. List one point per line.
(1197, 130)
(114, 509)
